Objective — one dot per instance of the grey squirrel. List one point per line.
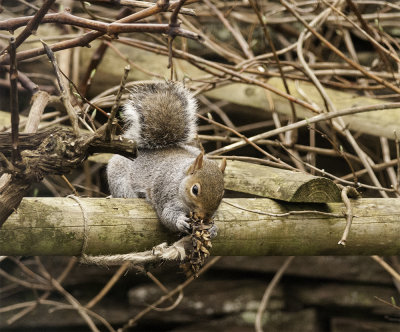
(171, 174)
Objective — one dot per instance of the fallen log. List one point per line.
(253, 227)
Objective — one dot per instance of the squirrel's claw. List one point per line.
(213, 231)
(183, 225)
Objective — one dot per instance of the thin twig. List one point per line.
(173, 23)
(32, 25)
(388, 303)
(248, 141)
(71, 299)
(348, 214)
(387, 267)
(172, 306)
(306, 122)
(268, 292)
(338, 52)
(63, 90)
(40, 100)
(117, 275)
(162, 299)
(24, 283)
(302, 212)
(69, 184)
(238, 37)
(396, 140)
(85, 39)
(16, 156)
(267, 35)
(115, 107)
(71, 263)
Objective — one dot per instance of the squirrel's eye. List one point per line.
(195, 190)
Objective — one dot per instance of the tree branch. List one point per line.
(55, 226)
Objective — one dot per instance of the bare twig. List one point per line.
(348, 214)
(369, 31)
(16, 156)
(396, 140)
(173, 23)
(302, 212)
(338, 52)
(133, 321)
(267, 35)
(248, 141)
(63, 90)
(117, 275)
(306, 122)
(32, 24)
(31, 306)
(40, 100)
(239, 38)
(74, 302)
(387, 267)
(388, 303)
(115, 107)
(268, 292)
(85, 39)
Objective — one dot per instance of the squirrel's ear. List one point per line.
(197, 164)
(223, 165)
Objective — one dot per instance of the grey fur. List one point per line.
(160, 170)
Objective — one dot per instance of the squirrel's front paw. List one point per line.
(182, 223)
(213, 231)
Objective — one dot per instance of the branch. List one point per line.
(55, 226)
(100, 28)
(31, 25)
(56, 151)
(107, 28)
(14, 102)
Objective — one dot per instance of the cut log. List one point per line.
(279, 184)
(56, 226)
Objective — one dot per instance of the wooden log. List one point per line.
(55, 226)
(279, 184)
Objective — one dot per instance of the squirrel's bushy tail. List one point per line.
(160, 114)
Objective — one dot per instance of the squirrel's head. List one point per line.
(204, 186)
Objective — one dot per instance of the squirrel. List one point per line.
(173, 175)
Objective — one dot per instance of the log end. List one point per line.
(317, 190)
